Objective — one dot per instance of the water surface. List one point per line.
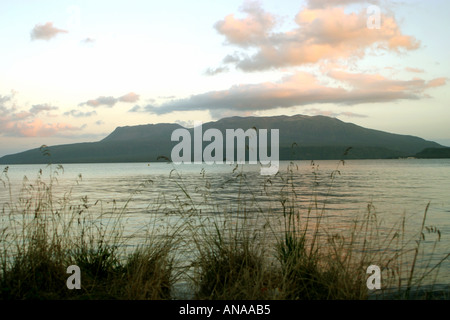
(339, 192)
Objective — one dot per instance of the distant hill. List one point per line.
(301, 138)
(434, 153)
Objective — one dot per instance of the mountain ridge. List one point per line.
(301, 138)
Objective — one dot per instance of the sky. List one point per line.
(73, 71)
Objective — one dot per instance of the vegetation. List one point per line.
(237, 253)
(317, 137)
(434, 153)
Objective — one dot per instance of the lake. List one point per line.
(337, 192)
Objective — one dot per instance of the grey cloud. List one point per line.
(353, 115)
(79, 114)
(107, 101)
(214, 71)
(4, 99)
(162, 97)
(320, 4)
(111, 101)
(317, 111)
(301, 89)
(88, 41)
(135, 109)
(35, 109)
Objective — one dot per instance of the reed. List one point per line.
(242, 250)
(43, 233)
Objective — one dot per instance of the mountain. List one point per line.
(301, 137)
(434, 153)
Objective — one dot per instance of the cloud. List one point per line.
(250, 30)
(414, 70)
(375, 86)
(45, 31)
(107, 101)
(186, 124)
(129, 97)
(20, 123)
(4, 108)
(4, 99)
(320, 4)
(111, 101)
(214, 71)
(135, 109)
(328, 113)
(88, 41)
(35, 109)
(79, 114)
(321, 34)
(21, 115)
(35, 128)
(301, 89)
(438, 82)
(352, 114)
(163, 97)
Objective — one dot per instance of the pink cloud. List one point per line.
(328, 33)
(20, 123)
(438, 82)
(37, 128)
(247, 31)
(129, 97)
(376, 83)
(414, 70)
(45, 31)
(22, 115)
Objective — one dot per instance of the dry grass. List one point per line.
(43, 234)
(230, 256)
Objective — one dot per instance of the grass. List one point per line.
(44, 234)
(236, 253)
(230, 268)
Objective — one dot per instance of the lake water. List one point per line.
(337, 192)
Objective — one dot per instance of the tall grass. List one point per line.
(43, 234)
(243, 250)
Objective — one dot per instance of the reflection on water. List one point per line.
(333, 191)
